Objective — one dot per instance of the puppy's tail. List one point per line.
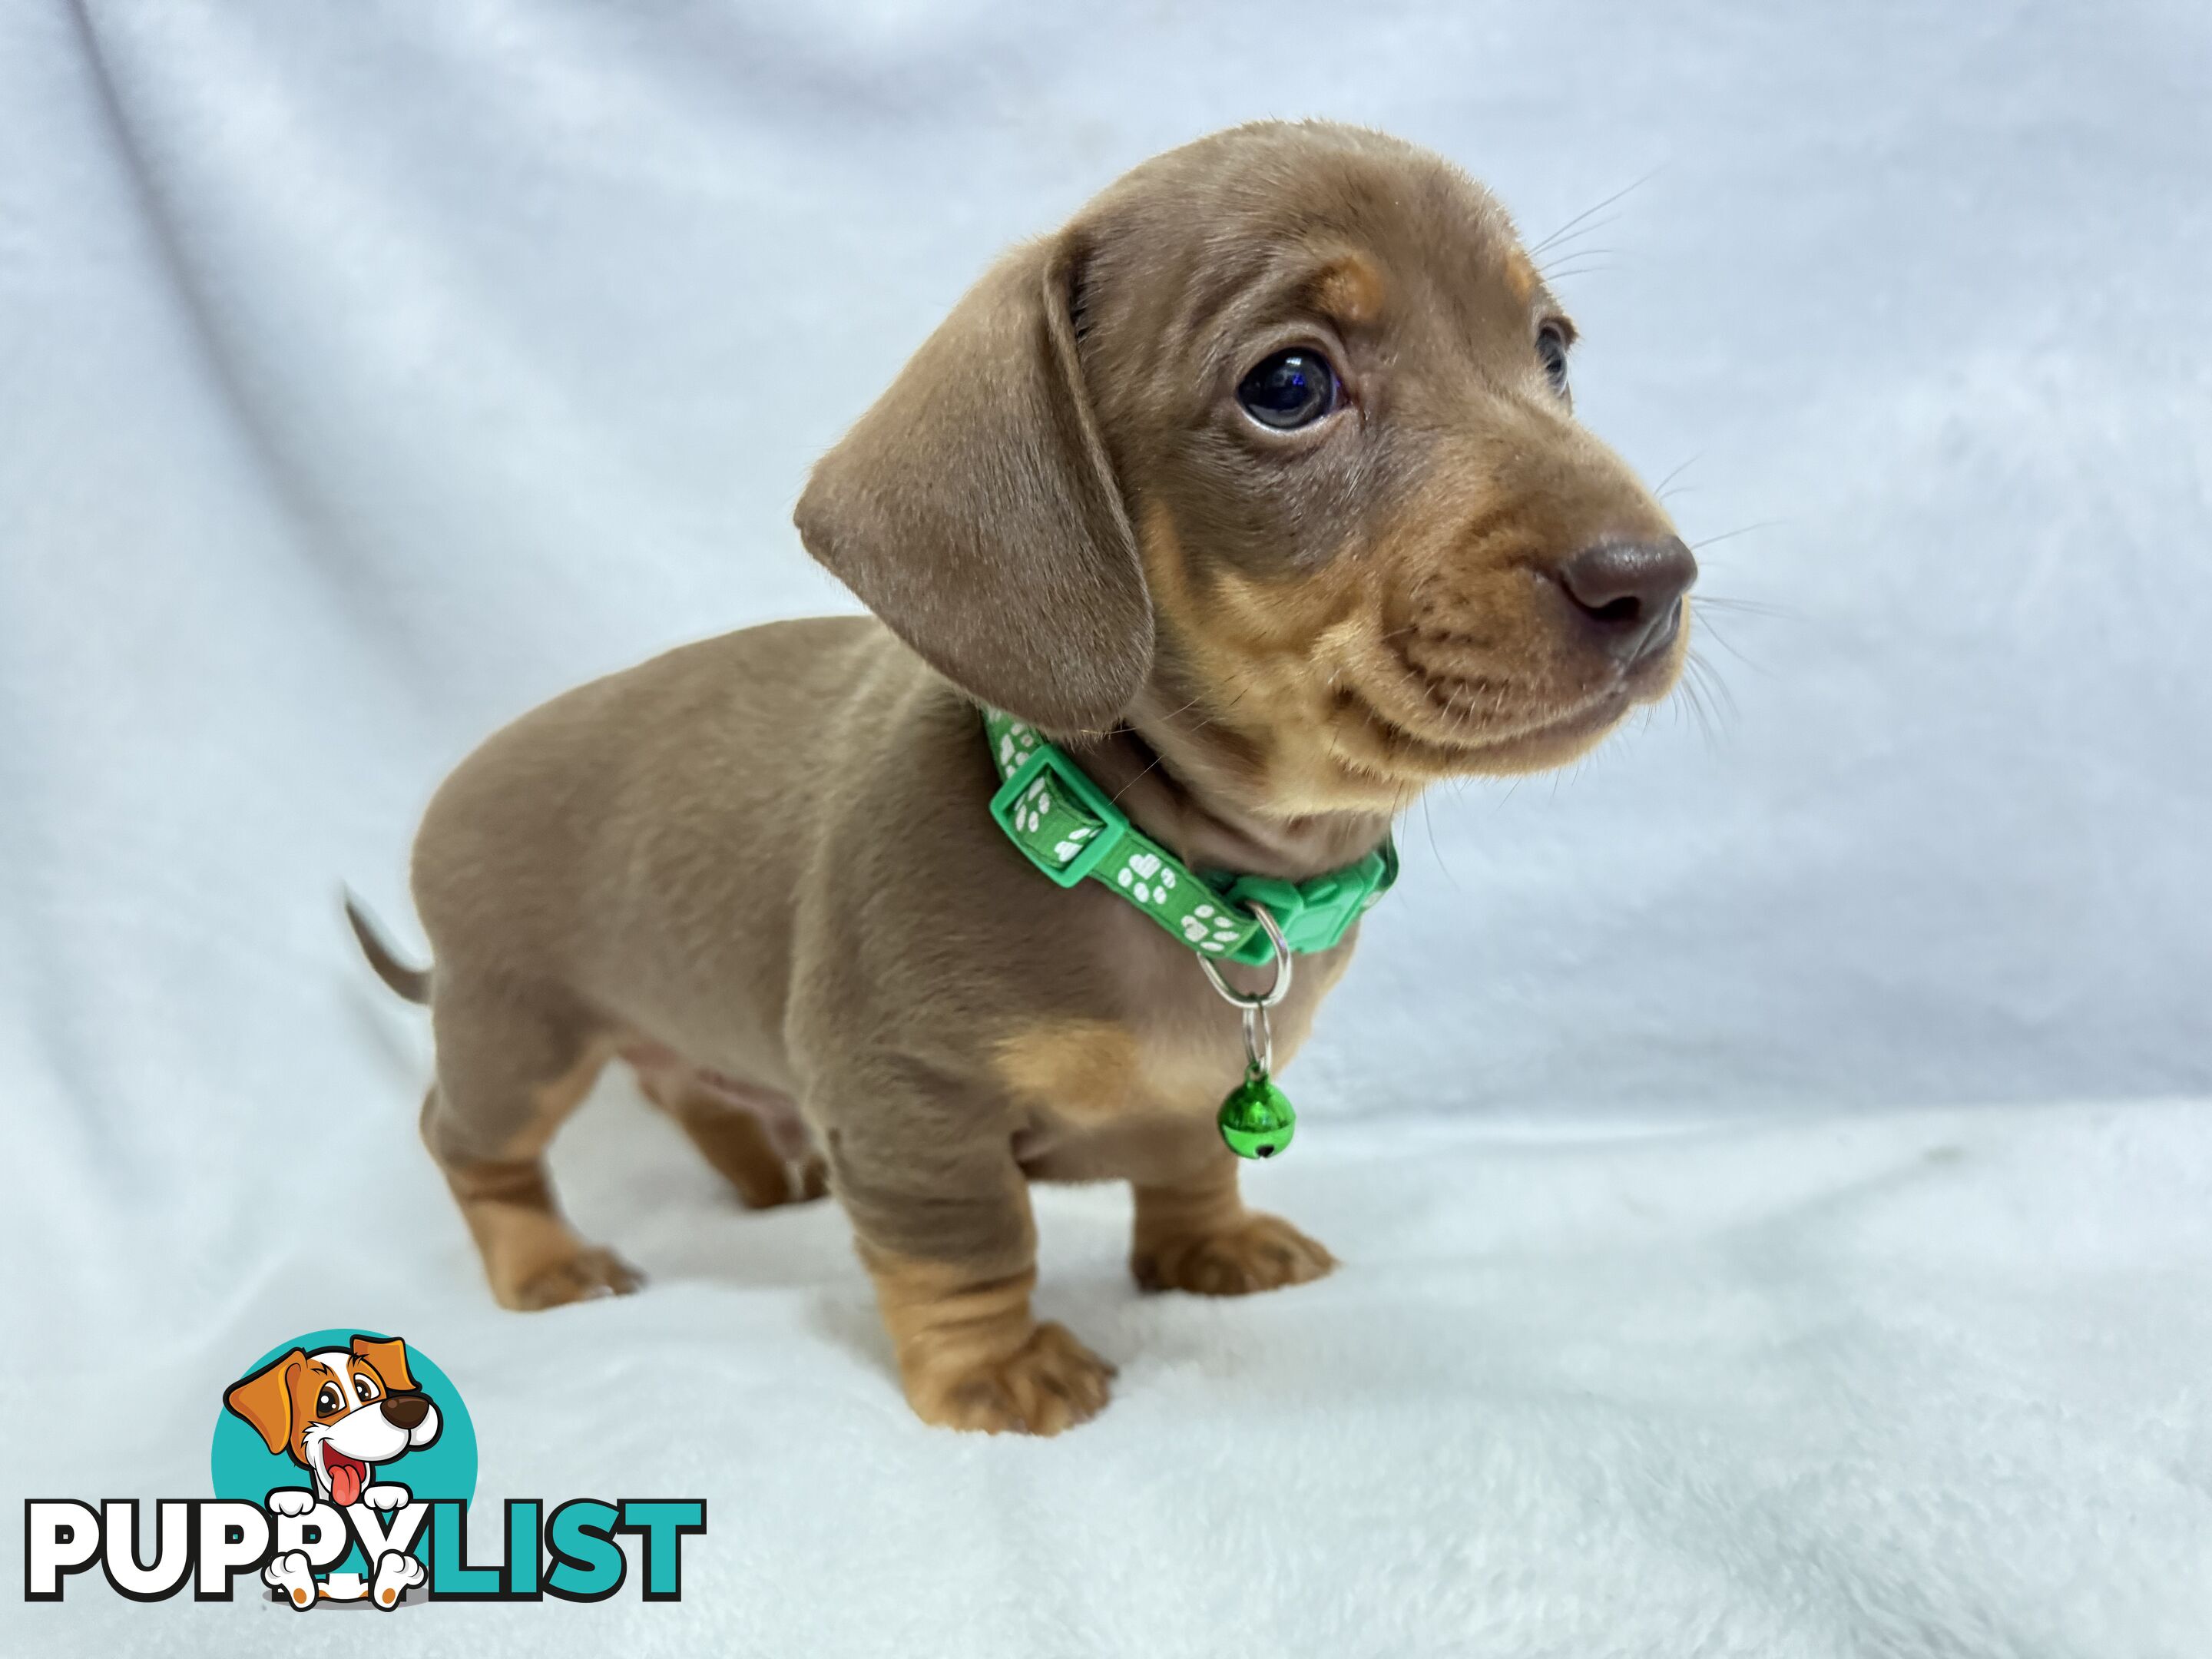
(413, 983)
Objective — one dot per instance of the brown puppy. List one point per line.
(1258, 487)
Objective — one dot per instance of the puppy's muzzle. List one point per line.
(405, 1411)
(1630, 594)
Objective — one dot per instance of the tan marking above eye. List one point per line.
(1520, 276)
(1351, 290)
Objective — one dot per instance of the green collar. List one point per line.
(1065, 825)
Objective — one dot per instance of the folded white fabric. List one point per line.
(1915, 1384)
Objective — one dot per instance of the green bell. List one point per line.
(1257, 1120)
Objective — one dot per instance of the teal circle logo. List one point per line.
(347, 1415)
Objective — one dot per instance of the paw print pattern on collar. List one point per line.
(1062, 822)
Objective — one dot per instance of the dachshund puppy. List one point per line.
(1257, 489)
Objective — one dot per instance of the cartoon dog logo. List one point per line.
(339, 1414)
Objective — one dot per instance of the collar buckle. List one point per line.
(1061, 822)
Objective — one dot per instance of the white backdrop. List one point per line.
(369, 373)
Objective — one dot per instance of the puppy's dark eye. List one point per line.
(329, 1400)
(1291, 389)
(1552, 351)
(364, 1390)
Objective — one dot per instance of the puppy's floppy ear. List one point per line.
(264, 1399)
(973, 508)
(388, 1358)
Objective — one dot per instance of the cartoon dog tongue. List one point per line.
(346, 1474)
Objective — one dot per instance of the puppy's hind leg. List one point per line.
(753, 1136)
(512, 1067)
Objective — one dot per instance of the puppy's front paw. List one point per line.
(291, 1500)
(1051, 1382)
(385, 1495)
(1254, 1253)
(589, 1272)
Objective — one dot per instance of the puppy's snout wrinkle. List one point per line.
(405, 1411)
(1630, 593)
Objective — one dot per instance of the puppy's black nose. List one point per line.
(405, 1410)
(1631, 592)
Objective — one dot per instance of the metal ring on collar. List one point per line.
(1275, 993)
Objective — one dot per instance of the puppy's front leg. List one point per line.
(1194, 1234)
(972, 1356)
(954, 1262)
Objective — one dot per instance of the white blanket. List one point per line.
(370, 372)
